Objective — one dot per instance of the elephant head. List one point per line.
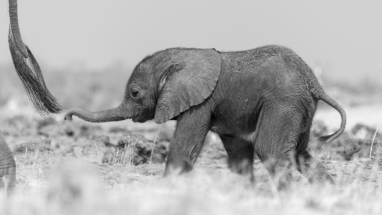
(7, 166)
(162, 86)
(28, 69)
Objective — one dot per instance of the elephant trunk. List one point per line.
(28, 69)
(115, 114)
(7, 166)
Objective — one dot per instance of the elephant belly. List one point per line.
(240, 122)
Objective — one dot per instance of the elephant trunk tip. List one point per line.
(69, 115)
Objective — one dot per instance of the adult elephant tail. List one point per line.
(7, 166)
(28, 69)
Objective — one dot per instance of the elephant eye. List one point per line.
(134, 93)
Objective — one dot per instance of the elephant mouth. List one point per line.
(139, 119)
(135, 118)
(138, 116)
(141, 116)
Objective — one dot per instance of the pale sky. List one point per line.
(344, 37)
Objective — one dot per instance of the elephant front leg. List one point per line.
(191, 130)
(240, 156)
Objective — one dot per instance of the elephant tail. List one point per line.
(28, 69)
(329, 138)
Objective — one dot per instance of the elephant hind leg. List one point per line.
(312, 169)
(278, 132)
(240, 156)
(280, 169)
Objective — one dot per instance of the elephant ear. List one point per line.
(187, 83)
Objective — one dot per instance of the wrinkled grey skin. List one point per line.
(7, 166)
(258, 101)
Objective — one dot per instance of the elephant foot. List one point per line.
(177, 168)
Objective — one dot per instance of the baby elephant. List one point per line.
(258, 101)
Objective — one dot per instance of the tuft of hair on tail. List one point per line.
(30, 74)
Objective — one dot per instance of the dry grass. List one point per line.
(50, 184)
